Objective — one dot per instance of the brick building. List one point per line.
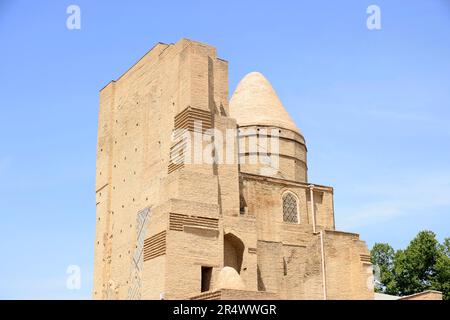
(249, 227)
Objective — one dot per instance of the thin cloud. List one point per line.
(394, 200)
(401, 115)
(414, 118)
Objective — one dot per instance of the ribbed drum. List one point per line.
(270, 143)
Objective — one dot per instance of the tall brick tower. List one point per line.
(211, 229)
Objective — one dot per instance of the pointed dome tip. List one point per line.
(255, 102)
(254, 75)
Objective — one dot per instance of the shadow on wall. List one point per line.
(233, 252)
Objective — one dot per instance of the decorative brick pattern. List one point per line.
(190, 117)
(178, 221)
(134, 291)
(215, 295)
(155, 246)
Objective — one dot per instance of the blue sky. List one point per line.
(374, 107)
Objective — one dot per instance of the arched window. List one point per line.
(290, 208)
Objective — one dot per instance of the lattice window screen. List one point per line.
(290, 208)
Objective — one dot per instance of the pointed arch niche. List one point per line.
(233, 251)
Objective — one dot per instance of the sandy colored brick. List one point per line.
(204, 217)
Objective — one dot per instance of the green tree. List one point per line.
(441, 280)
(382, 256)
(414, 267)
(423, 265)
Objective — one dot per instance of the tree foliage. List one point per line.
(423, 265)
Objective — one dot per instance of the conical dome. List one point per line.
(255, 102)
